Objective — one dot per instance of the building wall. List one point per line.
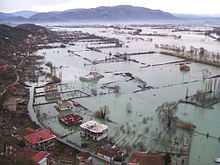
(43, 146)
(43, 161)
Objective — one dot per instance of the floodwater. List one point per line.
(168, 82)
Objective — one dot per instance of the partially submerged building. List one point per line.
(71, 119)
(94, 130)
(51, 92)
(3, 67)
(111, 153)
(38, 158)
(65, 105)
(51, 88)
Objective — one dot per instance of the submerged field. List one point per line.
(133, 119)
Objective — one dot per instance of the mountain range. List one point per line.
(115, 13)
(24, 13)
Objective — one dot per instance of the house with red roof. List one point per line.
(12, 88)
(143, 158)
(71, 119)
(38, 158)
(3, 67)
(40, 139)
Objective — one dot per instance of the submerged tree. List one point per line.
(167, 115)
(129, 106)
(102, 112)
(49, 65)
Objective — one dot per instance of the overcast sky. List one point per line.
(210, 7)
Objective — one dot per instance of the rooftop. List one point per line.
(142, 158)
(51, 87)
(39, 135)
(94, 126)
(37, 157)
(66, 103)
(31, 155)
(110, 151)
(71, 119)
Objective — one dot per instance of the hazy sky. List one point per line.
(210, 7)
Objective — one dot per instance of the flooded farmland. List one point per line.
(138, 83)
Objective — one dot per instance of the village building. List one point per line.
(38, 158)
(51, 88)
(3, 67)
(143, 158)
(65, 105)
(111, 153)
(71, 119)
(84, 158)
(40, 139)
(51, 92)
(76, 104)
(8, 150)
(53, 160)
(12, 89)
(12, 104)
(94, 130)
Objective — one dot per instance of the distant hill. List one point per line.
(116, 13)
(121, 13)
(24, 13)
(10, 17)
(5, 15)
(12, 34)
(32, 28)
(13, 38)
(37, 30)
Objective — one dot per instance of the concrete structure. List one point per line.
(94, 130)
(111, 153)
(3, 67)
(65, 105)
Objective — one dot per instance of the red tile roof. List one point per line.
(12, 88)
(29, 131)
(71, 119)
(39, 135)
(4, 67)
(39, 156)
(31, 155)
(141, 158)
